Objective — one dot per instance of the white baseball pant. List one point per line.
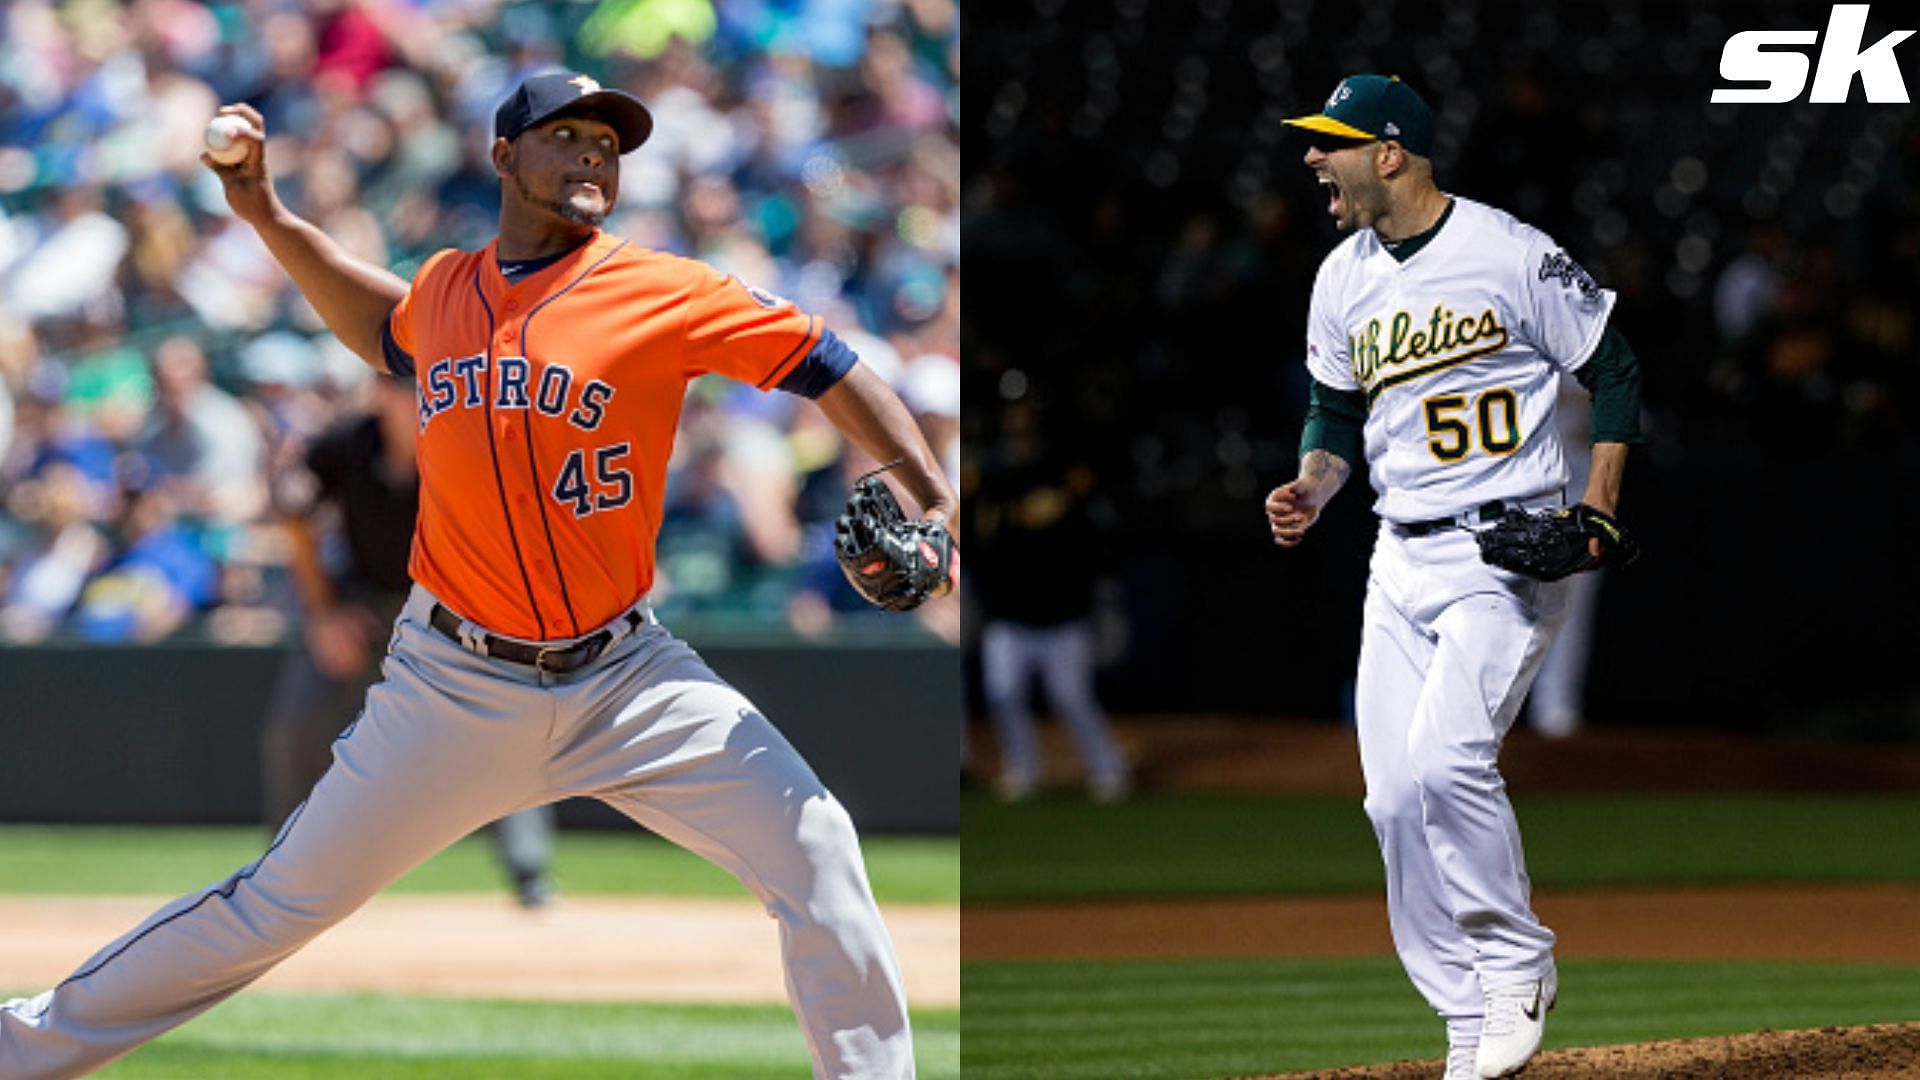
(1010, 653)
(1448, 648)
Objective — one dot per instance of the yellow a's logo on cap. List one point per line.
(586, 85)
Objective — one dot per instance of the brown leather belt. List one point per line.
(557, 658)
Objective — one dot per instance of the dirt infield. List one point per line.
(580, 949)
(1214, 753)
(1864, 924)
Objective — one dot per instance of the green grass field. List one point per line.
(1178, 1020)
(1035, 1020)
(1061, 847)
(260, 1035)
(88, 859)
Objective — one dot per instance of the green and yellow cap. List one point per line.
(1369, 108)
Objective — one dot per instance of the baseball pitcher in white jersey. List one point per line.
(1435, 338)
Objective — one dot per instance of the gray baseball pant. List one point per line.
(451, 740)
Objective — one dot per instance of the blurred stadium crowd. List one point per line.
(160, 378)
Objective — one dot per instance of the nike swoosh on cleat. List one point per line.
(1532, 1012)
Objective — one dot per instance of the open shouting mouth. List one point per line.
(1333, 193)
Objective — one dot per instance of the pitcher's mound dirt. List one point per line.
(1876, 1052)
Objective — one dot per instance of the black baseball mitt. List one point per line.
(896, 563)
(1550, 544)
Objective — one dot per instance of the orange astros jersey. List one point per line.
(548, 408)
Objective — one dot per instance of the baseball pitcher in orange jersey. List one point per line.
(527, 667)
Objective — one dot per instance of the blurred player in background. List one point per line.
(1555, 705)
(360, 507)
(1034, 582)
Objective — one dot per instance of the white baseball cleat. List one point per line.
(1015, 787)
(1516, 1020)
(1462, 1062)
(1109, 789)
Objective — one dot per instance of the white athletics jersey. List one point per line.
(1459, 351)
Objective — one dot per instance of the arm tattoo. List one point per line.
(1322, 468)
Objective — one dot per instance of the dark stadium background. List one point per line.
(1143, 238)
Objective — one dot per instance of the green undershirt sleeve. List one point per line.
(1335, 419)
(1612, 376)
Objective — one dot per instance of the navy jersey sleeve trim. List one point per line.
(825, 365)
(399, 360)
(794, 356)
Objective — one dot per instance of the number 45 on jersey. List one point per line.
(611, 486)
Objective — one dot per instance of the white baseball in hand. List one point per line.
(224, 143)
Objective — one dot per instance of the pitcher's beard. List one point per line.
(575, 214)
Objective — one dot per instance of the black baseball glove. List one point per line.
(895, 563)
(1550, 544)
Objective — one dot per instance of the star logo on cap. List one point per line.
(586, 85)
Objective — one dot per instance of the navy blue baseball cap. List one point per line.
(1369, 108)
(564, 93)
